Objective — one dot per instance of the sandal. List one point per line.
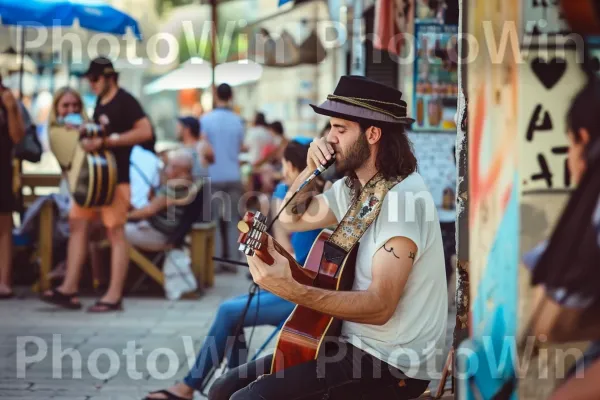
(104, 307)
(62, 300)
(170, 396)
(6, 296)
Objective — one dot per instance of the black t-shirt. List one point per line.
(150, 144)
(6, 143)
(123, 111)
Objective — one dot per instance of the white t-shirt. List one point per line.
(144, 172)
(408, 341)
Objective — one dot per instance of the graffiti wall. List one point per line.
(550, 76)
(493, 199)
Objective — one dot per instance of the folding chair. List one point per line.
(151, 266)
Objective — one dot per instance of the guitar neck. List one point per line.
(298, 272)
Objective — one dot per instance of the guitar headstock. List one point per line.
(253, 228)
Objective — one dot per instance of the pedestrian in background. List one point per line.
(224, 130)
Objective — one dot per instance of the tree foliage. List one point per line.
(164, 6)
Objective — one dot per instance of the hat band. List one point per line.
(368, 104)
(360, 112)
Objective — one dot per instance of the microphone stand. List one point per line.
(238, 333)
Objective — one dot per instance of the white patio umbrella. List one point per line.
(196, 74)
(11, 61)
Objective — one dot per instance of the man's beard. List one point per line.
(354, 157)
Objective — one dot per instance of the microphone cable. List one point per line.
(254, 289)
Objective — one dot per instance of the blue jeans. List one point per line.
(272, 310)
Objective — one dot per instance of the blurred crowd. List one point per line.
(218, 152)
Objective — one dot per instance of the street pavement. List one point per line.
(160, 339)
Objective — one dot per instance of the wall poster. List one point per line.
(436, 86)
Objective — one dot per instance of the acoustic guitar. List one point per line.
(91, 177)
(302, 337)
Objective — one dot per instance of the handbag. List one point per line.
(29, 148)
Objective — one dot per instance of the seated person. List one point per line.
(573, 317)
(153, 224)
(144, 173)
(272, 310)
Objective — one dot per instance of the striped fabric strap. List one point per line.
(371, 104)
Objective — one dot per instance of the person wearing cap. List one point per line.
(394, 318)
(224, 130)
(188, 132)
(125, 124)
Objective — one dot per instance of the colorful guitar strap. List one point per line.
(361, 214)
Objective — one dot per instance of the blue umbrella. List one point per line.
(94, 15)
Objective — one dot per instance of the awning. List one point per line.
(196, 74)
(334, 6)
(282, 2)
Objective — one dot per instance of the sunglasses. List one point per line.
(93, 78)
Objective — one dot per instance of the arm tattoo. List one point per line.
(411, 255)
(391, 250)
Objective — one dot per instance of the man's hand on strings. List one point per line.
(276, 278)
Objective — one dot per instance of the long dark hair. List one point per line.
(296, 154)
(582, 111)
(395, 157)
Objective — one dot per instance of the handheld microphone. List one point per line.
(320, 169)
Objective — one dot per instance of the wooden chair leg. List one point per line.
(45, 245)
(198, 253)
(445, 373)
(147, 266)
(210, 252)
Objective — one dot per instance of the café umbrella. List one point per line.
(95, 15)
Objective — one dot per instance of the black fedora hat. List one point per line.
(360, 98)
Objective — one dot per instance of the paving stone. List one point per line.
(4, 385)
(150, 323)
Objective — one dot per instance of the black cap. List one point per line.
(100, 66)
(192, 123)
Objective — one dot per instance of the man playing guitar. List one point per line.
(394, 318)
